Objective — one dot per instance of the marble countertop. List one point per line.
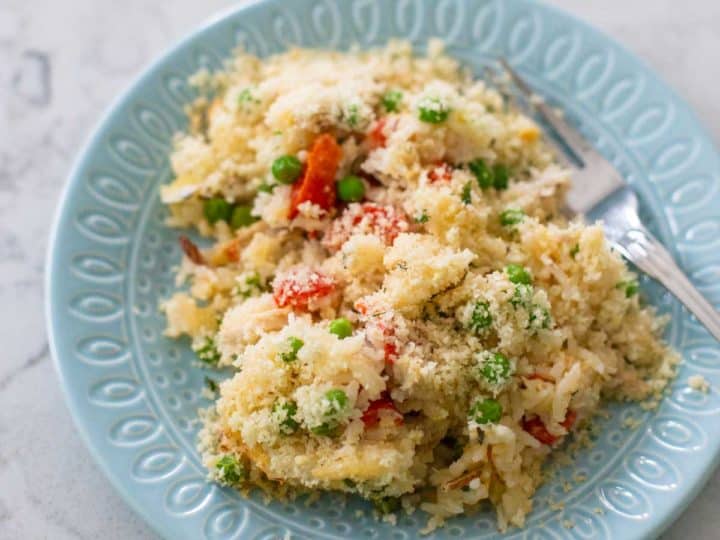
(62, 64)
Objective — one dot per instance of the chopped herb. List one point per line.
(386, 505)
(631, 287)
(433, 111)
(294, 345)
(574, 250)
(466, 196)
(511, 216)
(486, 411)
(326, 429)
(266, 188)
(217, 209)
(422, 218)
(341, 327)
(230, 470)
(251, 285)
(254, 280)
(208, 352)
(211, 385)
(284, 413)
(481, 318)
(540, 317)
(349, 483)
(483, 174)
(391, 100)
(518, 274)
(494, 368)
(352, 115)
(245, 96)
(501, 176)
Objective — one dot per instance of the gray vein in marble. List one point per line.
(32, 361)
(32, 80)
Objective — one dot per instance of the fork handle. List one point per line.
(647, 253)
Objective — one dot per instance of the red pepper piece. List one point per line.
(384, 221)
(442, 171)
(317, 184)
(391, 353)
(371, 416)
(390, 346)
(300, 286)
(570, 419)
(535, 427)
(377, 136)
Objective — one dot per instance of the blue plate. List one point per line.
(134, 394)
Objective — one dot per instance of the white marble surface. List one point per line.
(61, 63)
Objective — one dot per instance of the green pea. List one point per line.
(481, 318)
(433, 111)
(391, 100)
(522, 296)
(518, 274)
(540, 318)
(230, 470)
(482, 172)
(217, 209)
(341, 327)
(285, 412)
(511, 216)
(242, 216)
(350, 189)
(486, 411)
(208, 352)
(294, 345)
(501, 177)
(286, 169)
(495, 368)
(338, 400)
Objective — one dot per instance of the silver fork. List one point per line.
(598, 189)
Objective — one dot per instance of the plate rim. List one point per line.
(83, 155)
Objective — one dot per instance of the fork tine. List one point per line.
(501, 86)
(577, 144)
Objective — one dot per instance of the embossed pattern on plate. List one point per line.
(134, 394)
